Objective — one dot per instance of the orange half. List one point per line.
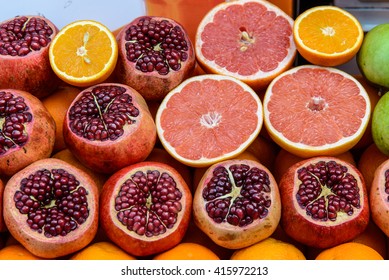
(209, 118)
(83, 53)
(327, 35)
(315, 110)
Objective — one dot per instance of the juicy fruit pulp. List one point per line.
(324, 202)
(155, 55)
(250, 40)
(51, 208)
(313, 110)
(109, 126)
(237, 203)
(145, 208)
(221, 115)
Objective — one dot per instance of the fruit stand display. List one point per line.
(147, 143)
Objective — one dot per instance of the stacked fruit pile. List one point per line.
(141, 144)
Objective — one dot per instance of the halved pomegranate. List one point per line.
(379, 197)
(237, 203)
(24, 55)
(51, 208)
(324, 202)
(109, 126)
(155, 55)
(27, 130)
(145, 208)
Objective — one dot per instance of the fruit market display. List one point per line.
(144, 144)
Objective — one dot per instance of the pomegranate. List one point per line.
(155, 55)
(379, 197)
(27, 131)
(2, 223)
(24, 55)
(324, 202)
(109, 126)
(51, 208)
(237, 203)
(145, 208)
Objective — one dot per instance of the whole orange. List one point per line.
(103, 250)
(187, 251)
(349, 251)
(57, 104)
(16, 252)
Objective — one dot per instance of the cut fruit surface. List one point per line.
(251, 40)
(83, 53)
(327, 35)
(209, 118)
(315, 110)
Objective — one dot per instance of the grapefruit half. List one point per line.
(315, 110)
(209, 118)
(251, 40)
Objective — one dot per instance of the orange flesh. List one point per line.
(266, 45)
(338, 115)
(216, 121)
(328, 31)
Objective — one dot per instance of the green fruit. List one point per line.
(380, 124)
(373, 56)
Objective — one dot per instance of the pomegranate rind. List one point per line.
(31, 73)
(302, 228)
(41, 134)
(260, 79)
(207, 161)
(2, 223)
(225, 234)
(129, 241)
(151, 85)
(37, 243)
(378, 198)
(109, 156)
(305, 150)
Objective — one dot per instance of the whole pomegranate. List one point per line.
(51, 208)
(27, 131)
(324, 202)
(379, 197)
(145, 208)
(237, 203)
(155, 55)
(24, 55)
(109, 126)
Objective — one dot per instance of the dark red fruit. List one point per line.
(145, 208)
(155, 55)
(109, 126)
(237, 203)
(2, 223)
(24, 55)
(51, 208)
(27, 131)
(324, 202)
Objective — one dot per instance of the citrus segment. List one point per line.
(250, 40)
(83, 53)
(209, 118)
(314, 110)
(327, 35)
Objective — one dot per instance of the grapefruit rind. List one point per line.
(205, 161)
(304, 150)
(260, 79)
(321, 58)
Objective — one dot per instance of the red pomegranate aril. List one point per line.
(24, 42)
(155, 55)
(51, 208)
(324, 202)
(145, 208)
